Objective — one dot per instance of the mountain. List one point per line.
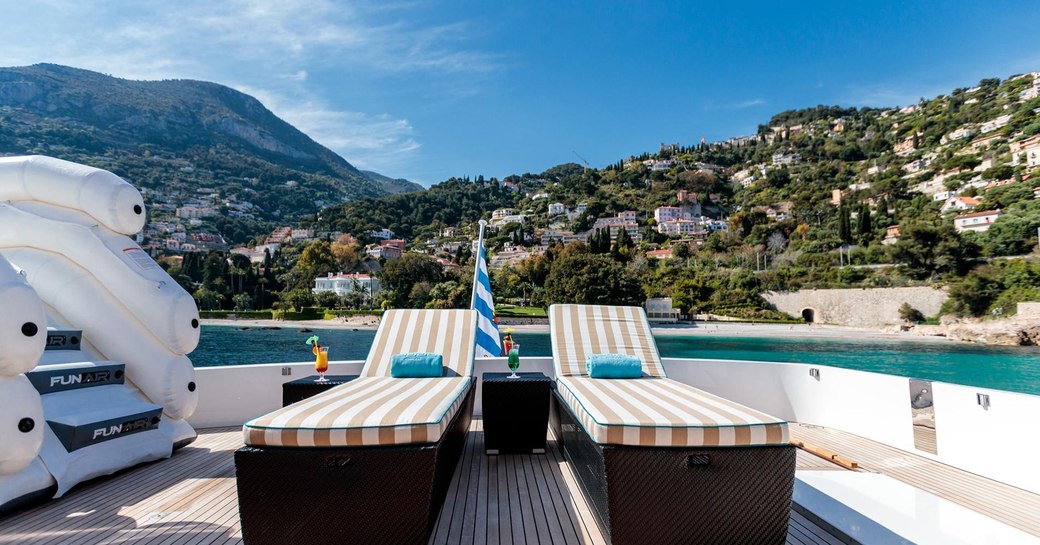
(175, 137)
(393, 185)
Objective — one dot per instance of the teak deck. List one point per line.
(502, 500)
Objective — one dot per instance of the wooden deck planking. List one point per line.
(1002, 502)
(191, 498)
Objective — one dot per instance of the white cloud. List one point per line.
(273, 50)
(370, 142)
(744, 104)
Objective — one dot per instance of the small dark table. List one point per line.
(516, 412)
(302, 388)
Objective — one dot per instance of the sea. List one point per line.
(1012, 368)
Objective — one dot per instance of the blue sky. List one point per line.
(431, 89)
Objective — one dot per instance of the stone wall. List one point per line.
(1029, 310)
(856, 307)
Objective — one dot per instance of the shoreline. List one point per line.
(718, 329)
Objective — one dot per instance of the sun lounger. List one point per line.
(661, 461)
(369, 461)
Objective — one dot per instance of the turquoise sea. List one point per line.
(1005, 368)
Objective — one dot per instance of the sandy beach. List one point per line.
(721, 329)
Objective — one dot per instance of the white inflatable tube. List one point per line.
(104, 196)
(21, 424)
(23, 327)
(119, 264)
(166, 378)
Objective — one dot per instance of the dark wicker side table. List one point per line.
(516, 412)
(305, 387)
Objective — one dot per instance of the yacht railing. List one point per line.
(988, 432)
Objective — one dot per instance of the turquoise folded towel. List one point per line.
(417, 365)
(613, 366)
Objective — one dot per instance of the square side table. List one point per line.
(515, 412)
(305, 387)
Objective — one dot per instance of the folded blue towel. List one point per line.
(417, 365)
(613, 366)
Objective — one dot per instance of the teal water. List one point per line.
(1010, 368)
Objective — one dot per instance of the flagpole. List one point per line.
(476, 263)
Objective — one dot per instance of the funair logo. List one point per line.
(87, 377)
(125, 427)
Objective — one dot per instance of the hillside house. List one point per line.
(976, 221)
(557, 208)
(959, 204)
(985, 142)
(906, 147)
(659, 309)
(959, 134)
(342, 284)
(667, 213)
(665, 253)
(891, 234)
(678, 227)
(994, 124)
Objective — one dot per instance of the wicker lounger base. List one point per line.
(738, 495)
(347, 495)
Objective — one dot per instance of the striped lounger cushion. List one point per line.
(660, 412)
(649, 411)
(376, 409)
(364, 412)
(580, 330)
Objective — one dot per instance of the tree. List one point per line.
(681, 250)
(207, 299)
(864, 221)
(243, 302)
(1014, 232)
(402, 274)
(592, 280)
(327, 299)
(315, 260)
(926, 249)
(778, 177)
(844, 229)
(776, 242)
(298, 298)
(908, 313)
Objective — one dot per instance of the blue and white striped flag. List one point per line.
(489, 344)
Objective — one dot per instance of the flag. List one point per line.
(489, 345)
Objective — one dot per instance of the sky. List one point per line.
(427, 90)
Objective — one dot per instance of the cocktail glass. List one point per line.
(514, 359)
(321, 363)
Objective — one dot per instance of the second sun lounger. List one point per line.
(369, 461)
(660, 461)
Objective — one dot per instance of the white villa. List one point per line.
(976, 221)
(341, 284)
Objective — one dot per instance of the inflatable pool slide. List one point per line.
(94, 335)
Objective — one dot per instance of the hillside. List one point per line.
(937, 193)
(176, 137)
(392, 185)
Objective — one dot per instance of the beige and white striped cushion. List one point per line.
(450, 333)
(661, 412)
(366, 411)
(580, 330)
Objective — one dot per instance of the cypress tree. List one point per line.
(843, 224)
(864, 220)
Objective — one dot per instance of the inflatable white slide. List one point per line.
(94, 337)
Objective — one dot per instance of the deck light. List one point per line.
(814, 373)
(983, 400)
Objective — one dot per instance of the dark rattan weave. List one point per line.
(659, 495)
(515, 412)
(353, 495)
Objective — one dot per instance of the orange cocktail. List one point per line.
(321, 361)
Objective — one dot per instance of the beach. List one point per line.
(722, 329)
